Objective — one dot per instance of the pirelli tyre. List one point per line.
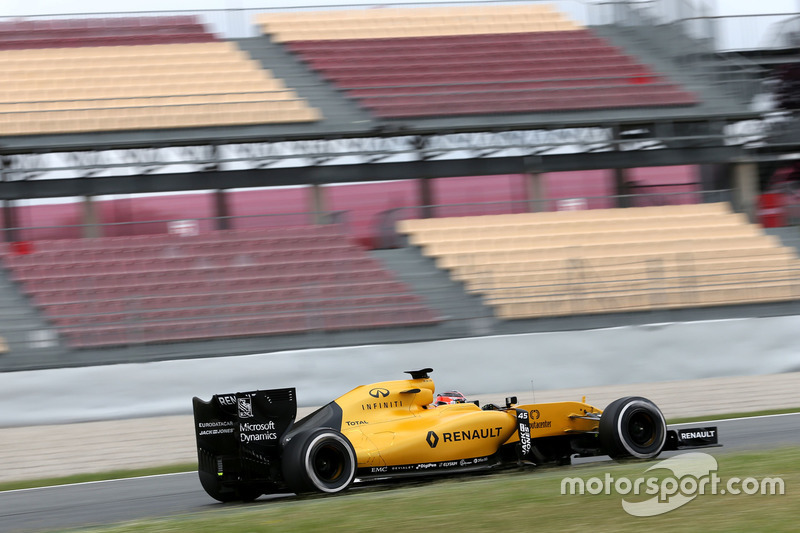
(214, 489)
(322, 460)
(632, 427)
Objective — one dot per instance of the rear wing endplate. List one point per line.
(243, 430)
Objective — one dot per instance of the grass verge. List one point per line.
(191, 467)
(99, 476)
(510, 501)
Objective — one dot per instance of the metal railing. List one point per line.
(200, 225)
(685, 33)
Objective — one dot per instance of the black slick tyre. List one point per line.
(632, 427)
(214, 489)
(322, 460)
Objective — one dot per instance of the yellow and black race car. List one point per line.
(249, 444)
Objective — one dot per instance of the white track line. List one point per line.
(733, 419)
(98, 482)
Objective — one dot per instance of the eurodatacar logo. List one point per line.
(692, 474)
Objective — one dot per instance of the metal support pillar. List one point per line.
(221, 211)
(745, 188)
(621, 187)
(220, 199)
(425, 188)
(9, 221)
(535, 192)
(91, 223)
(317, 204)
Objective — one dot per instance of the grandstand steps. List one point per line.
(320, 94)
(438, 290)
(697, 80)
(23, 328)
(789, 236)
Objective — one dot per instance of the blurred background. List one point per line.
(226, 178)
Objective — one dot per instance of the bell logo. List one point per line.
(433, 439)
(379, 393)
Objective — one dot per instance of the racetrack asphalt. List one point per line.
(106, 502)
(61, 450)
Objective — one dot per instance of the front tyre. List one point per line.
(632, 427)
(319, 461)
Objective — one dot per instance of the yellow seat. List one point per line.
(410, 22)
(153, 79)
(611, 260)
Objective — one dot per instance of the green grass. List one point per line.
(101, 476)
(509, 501)
(190, 467)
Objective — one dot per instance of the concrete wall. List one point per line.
(631, 354)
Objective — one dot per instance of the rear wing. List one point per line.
(239, 439)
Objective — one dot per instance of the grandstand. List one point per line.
(412, 76)
(419, 62)
(610, 260)
(82, 75)
(162, 288)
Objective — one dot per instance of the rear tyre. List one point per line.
(319, 461)
(632, 427)
(214, 489)
(248, 494)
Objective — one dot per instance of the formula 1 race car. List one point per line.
(249, 444)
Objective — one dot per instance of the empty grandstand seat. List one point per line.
(67, 76)
(433, 61)
(165, 288)
(534, 265)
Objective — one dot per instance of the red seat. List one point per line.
(124, 290)
(472, 74)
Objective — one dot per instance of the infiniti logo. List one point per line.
(379, 393)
